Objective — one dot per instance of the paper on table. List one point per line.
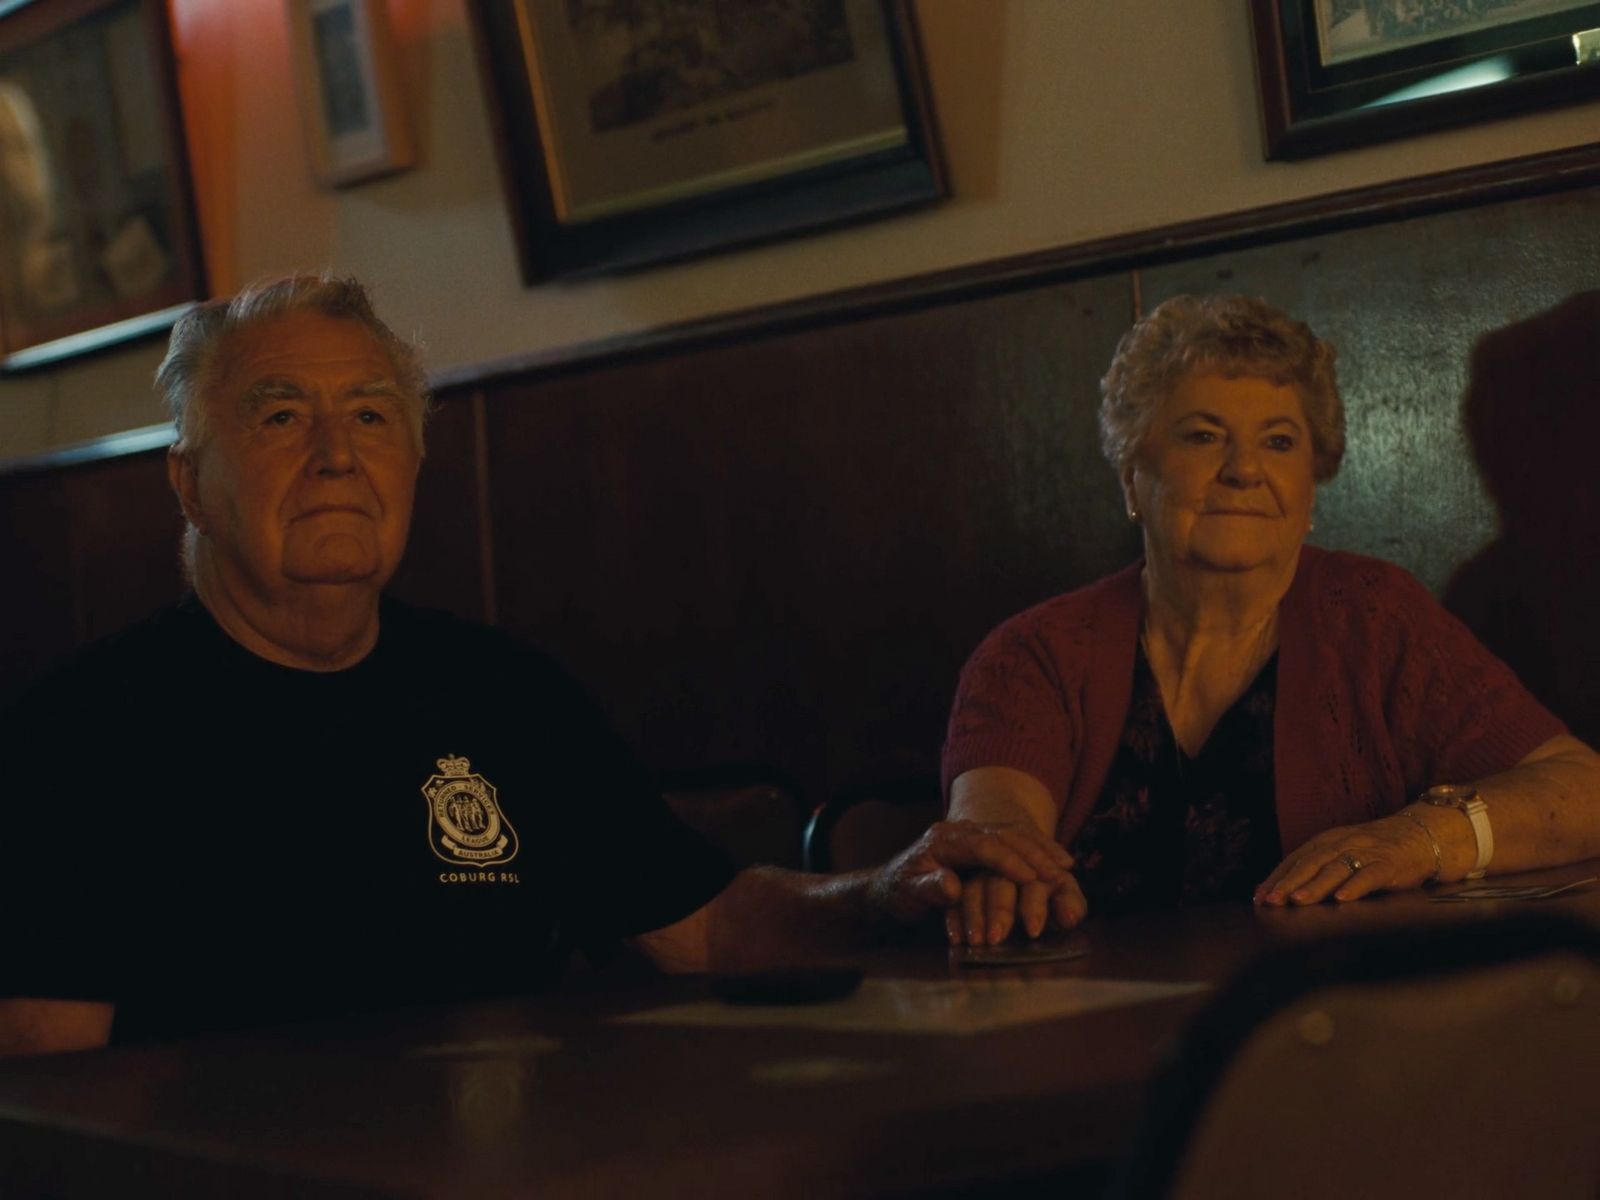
(1537, 892)
(926, 1006)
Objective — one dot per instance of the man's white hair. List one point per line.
(195, 351)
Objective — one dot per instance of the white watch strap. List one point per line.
(1478, 813)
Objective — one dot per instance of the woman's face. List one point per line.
(1223, 480)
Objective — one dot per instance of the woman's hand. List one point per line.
(1352, 861)
(991, 905)
(925, 876)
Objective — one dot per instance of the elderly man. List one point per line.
(290, 796)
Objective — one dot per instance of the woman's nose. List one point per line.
(1242, 466)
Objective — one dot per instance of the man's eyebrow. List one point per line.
(377, 386)
(279, 387)
(265, 391)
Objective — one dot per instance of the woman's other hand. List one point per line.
(1352, 861)
(1543, 813)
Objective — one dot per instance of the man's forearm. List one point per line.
(768, 915)
(52, 1026)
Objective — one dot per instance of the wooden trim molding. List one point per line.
(116, 445)
(1461, 188)
(1510, 179)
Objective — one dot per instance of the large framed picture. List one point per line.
(635, 131)
(1338, 73)
(97, 230)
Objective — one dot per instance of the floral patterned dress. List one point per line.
(1169, 830)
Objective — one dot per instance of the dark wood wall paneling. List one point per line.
(86, 550)
(779, 549)
(445, 565)
(1467, 345)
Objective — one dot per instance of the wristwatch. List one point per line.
(1463, 797)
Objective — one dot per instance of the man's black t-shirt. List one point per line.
(212, 841)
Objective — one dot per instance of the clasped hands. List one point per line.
(988, 878)
(984, 877)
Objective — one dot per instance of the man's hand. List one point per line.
(769, 916)
(923, 878)
(991, 905)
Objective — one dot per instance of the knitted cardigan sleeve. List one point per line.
(1011, 706)
(1455, 712)
(1383, 693)
(1047, 693)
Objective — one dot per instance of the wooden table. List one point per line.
(553, 1096)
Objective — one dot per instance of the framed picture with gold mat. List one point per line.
(637, 131)
(97, 232)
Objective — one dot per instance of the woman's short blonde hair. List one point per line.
(1225, 335)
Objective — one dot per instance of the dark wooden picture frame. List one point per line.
(1452, 71)
(98, 241)
(741, 129)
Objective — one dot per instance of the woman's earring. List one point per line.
(1133, 514)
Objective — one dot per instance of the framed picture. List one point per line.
(350, 96)
(640, 131)
(1338, 73)
(97, 231)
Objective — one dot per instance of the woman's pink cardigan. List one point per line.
(1381, 693)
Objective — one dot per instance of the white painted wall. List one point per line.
(1062, 120)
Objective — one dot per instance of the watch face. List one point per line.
(1451, 795)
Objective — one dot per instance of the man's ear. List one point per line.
(185, 481)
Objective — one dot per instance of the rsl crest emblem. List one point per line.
(465, 824)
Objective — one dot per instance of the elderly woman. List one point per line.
(1240, 715)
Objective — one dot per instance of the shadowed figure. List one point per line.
(1532, 417)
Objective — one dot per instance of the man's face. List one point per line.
(308, 469)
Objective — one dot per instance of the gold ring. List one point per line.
(1351, 861)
